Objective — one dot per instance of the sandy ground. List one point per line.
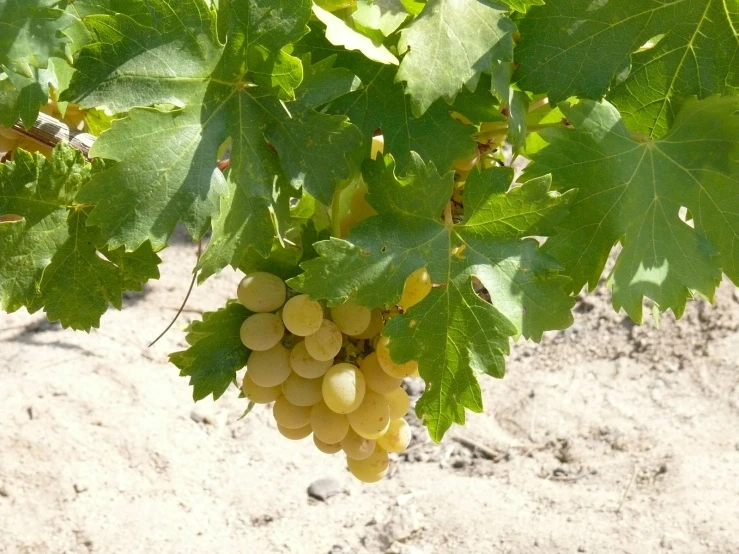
(606, 438)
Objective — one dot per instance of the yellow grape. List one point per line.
(399, 403)
(289, 415)
(398, 371)
(343, 388)
(301, 391)
(261, 292)
(294, 434)
(324, 344)
(257, 394)
(306, 365)
(417, 287)
(371, 469)
(325, 447)
(269, 368)
(356, 447)
(327, 425)
(302, 316)
(359, 207)
(262, 331)
(376, 378)
(372, 418)
(398, 436)
(378, 146)
(375, 326)
(352, 319)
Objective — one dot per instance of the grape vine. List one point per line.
(406, 185)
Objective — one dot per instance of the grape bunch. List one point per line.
(328, 371)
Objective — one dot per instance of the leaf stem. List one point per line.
(538, 104)
(335, 212)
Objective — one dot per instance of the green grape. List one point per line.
(289, 415)
(399, 403)
(327, 425)
(301, 391)
(372, 418)
(325, 447)
(399, 371)
(306, 365)
(294, 434)
(302, 316)
(257, 394)
(372, 468)
(352, 319)
(356, 447)
(343, 388)
(416, 288)
(262, 331)
(261, 292)
(375, 326)
(269, 368)
(376, 378)
(324, 344)
(398, 436)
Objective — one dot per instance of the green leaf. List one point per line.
(30, 33)
(632, 191)
(323, 83)
(340, 34)
(380, 103)
(522, 5)
(216, 352)
(381, 15)
(139, 59)
(452, 333)
(49, 258)
(581, 48)
(21, 97)
(449, 45)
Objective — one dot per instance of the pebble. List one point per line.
(4, 492)
(203, 416)
(323, 489)
(401, 525)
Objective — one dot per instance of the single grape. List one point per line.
(289, 415)
(399, 371)
(466, 164)
(352, 319)
(302, 316)
(372, 468)
(327, 425)
(343, 388)
(306, 365)
(261, 292)
(294, 434)
(376, 378)
(356, 447)
(324, 344)
(301, 391)
(269, 368)
(398, 436)
(262, 331)
(257, 394)
(399, 403)
(416, 288)
(372, 418)
(375, 326)
(325, 447)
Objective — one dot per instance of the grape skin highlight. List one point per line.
(302, 316)
(261, 292)
(343, 388)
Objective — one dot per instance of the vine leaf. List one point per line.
(215, 353)
(186, 95)
(632, 192)
(449, 45)
(30, 33)
(340, 34)
(49, 257)
(522, 5)
(654, 54)
(384, 16)
(452, 333)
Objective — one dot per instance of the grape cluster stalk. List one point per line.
(328, 371)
